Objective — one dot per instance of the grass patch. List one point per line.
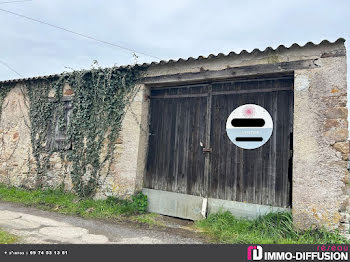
(274, 228)
(150, 219)
(68, 203)
(6, 238)
(221, 228)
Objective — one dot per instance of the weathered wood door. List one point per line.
(190, 153)
(175, 158)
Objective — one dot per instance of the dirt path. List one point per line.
(42, 227)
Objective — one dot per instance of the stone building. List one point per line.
(173, 147)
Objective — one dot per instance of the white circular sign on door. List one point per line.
(249, 126)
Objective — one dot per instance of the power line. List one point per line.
(82, 35)
(13, 70)
(9, 2)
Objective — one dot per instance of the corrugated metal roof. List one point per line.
(211, 56)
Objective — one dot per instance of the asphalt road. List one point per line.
(35, 226)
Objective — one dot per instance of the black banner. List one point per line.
(165, 253)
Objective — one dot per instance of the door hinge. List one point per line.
(207, 150)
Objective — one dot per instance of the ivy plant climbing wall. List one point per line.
(100, 98)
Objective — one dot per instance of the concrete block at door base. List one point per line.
(240, 209)
(174, 204)
(190, 207)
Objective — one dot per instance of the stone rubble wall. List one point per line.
(18, 166)
(320, 146)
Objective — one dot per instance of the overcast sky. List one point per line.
(165, 29)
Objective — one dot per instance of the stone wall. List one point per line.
(18, 166)
(321, 149)
(16, 161)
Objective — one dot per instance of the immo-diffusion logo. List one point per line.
(255, 253)
(332, 253)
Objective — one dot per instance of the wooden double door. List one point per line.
(190, 153)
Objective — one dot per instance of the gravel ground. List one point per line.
(42, 227)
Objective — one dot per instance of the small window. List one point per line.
(57, 139)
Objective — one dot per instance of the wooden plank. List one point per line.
(256, 176)
(290, 155)
(171, 135)
(186, 137)
(247, 91)
(178, 96)
(215, 75)
(281, 145)
(207, 142)
(149, 177)
(194, 86)
(191, 179)
(272, 155)
(213, 166)
(175, 160)
(221, 149)
(266, 156)
(177, 87)
(160, 150)
(230, 154)
(181, 147)
(174, 186)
